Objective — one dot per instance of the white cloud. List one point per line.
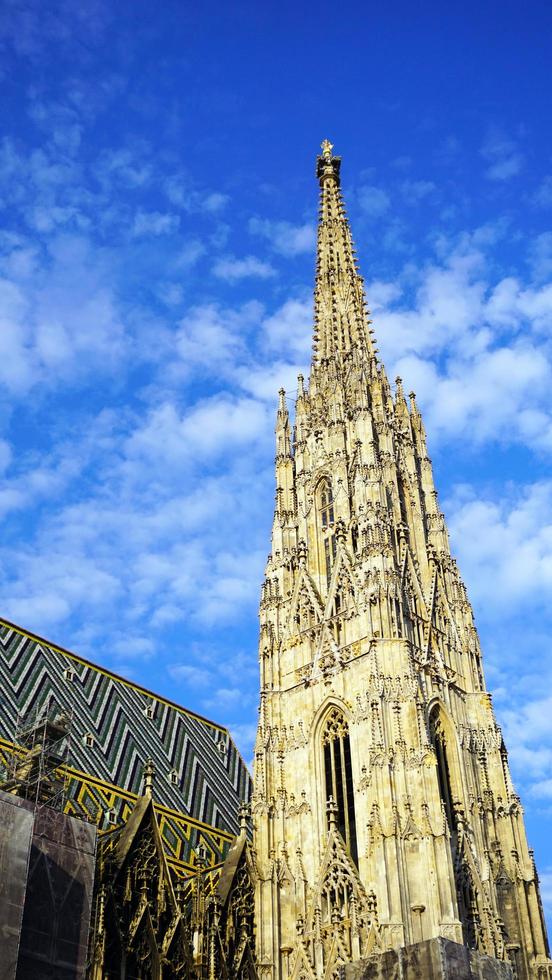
(373, 201)
(528, 737)
(131, 542)
(11, 499)
(542, 197)
(415, 191)
(244, 736)
(211, 426)
(188, 256)
(133, 646)
(170, 293)
(284, 237)
(225, 698)
(196, 676)
(289, 329)
(542, 789)
(505, 546)
(5, 455)
(477, 352)
(263, 381)
(540, 256)
(504, 551)
(154, 223)
(181, 191)
(128, 166)
(60, 318)
(215, 337)
(215, 201)
(232, 269)
(503, 156)
(490, 395)
(545, 878)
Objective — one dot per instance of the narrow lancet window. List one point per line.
(326, 525)
(329, 555)
(443, 773)
(326, 504)
(465, 889)
(339, 776)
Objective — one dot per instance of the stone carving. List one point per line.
(377, 633)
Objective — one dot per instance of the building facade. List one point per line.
(384, 812)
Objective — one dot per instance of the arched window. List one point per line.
(465, 890)
(339, 776)
(325, 506)
(439, 743)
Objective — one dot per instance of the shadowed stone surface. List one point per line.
(434, 959)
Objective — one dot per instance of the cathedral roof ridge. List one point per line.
(110, 673)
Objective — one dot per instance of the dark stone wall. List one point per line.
(434, 959)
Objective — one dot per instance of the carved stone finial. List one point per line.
(202, 856)
(244, 814)
(328, 166)
(149, 776)
(331, 809)
(341, 530)
(399, 393)
(180, 892)
(401, 531)
(302, 553)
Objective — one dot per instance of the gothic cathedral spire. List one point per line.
(384, 812)
(340, 314)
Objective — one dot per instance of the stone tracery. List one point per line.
(371, 613)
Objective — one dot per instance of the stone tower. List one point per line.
(384, 813)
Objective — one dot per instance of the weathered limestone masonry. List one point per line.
(384, 812)
(432, 959)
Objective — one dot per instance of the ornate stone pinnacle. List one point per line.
(202, 856)
(331, 809)
(149, 775)
(244, 813)
(341, 530)
(327, 148)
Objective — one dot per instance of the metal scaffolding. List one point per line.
(35, 769)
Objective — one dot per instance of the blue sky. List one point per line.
(158, 205)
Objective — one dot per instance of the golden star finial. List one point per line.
(327, 148)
